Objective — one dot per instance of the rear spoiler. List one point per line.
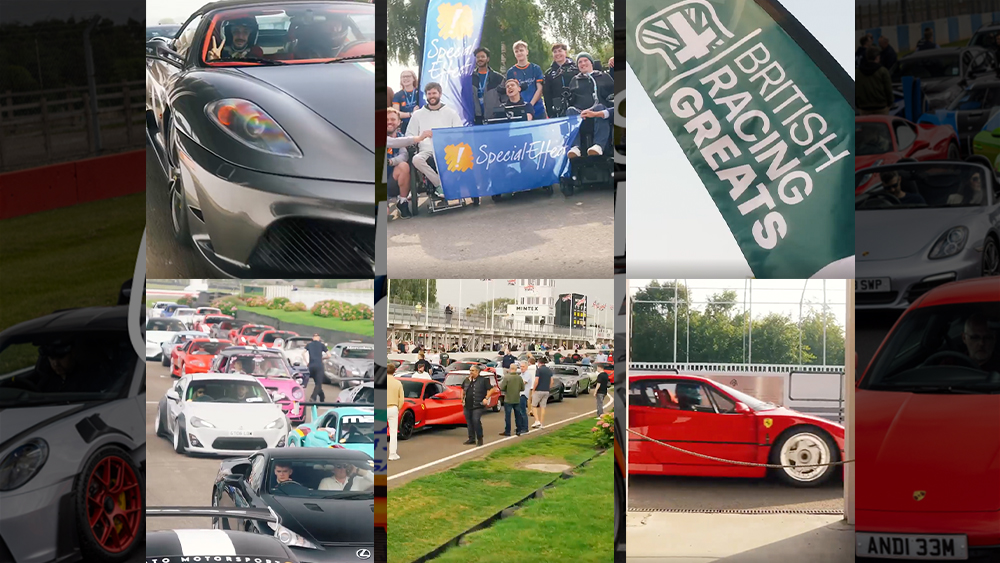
(265, 514)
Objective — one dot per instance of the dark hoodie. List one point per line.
(557, 79)
(874, 87)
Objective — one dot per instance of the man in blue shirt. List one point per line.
(529, 74)
(484, 82)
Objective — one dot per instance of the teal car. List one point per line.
(346, 425)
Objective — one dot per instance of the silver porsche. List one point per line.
(350, 363)
(924, 224)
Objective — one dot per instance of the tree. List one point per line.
(588, 24)
(505, 22)
(411, 292)
(499, 304)
(812, 338)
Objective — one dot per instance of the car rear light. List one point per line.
(304, 430)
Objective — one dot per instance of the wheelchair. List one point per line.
(587, 170)
(420, 184)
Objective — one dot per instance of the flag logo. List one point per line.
(683, 33)
(511, 282)
(581, 302)
(458, 157)
(454, 21)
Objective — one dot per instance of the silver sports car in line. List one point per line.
(923, 224)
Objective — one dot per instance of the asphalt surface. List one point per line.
(709, 493)
(438, 448)
(870, 329)
(177, 480)
(165, 257)
(531, 233)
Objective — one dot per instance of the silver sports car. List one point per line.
(923, 224)
(350, 363)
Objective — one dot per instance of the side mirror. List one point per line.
(996, 132)
(159, 48)
(234, 479)
(173, 396)
(742, 408)
(438, 396)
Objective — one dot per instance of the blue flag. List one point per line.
(452, 36)
(503, 158)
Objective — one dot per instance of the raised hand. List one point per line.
(215, 52)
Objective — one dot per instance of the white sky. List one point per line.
(768, 296)
(179, 10)
(696, 241)
(477, 291)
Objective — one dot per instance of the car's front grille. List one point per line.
(315, 247)
(918, 289)
(239, 444)
(880, 298)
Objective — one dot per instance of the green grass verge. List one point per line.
(364, 328)
(573, 522)
(73, 257)
(429, 511)
(64, 258)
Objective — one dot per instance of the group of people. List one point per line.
(874, 95)
(568, 87)
(525, 386)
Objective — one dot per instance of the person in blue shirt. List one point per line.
(409, 97)
(531, 74)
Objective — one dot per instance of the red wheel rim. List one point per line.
(114, 504)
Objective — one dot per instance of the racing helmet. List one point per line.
(688, 395)
(249, 22)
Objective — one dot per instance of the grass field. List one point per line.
(73, 257)
(573, 522)
(428, 512)
(364, 328)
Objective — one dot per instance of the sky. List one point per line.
(476, 291)
(768, 296)
(179, 10)
(701, 243)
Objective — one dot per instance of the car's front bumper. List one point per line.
(336, 554)
(153, 351)
(31, 523)
(217, 441)
(912, 277)
(252, 224)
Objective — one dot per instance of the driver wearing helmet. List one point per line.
(59, 367)
(325, 39)
(239, 36)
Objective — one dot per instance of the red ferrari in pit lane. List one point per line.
(195, 356)
(428, 403)
(928, 427)
(882, 140)
(705, 417)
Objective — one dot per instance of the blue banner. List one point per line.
(503, 158)
(452, 36)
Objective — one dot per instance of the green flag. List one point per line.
(765, 116)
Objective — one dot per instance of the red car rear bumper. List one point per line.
(982, 528)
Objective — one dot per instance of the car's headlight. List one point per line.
(355, 372)
(276, 423)
(297, 394)
(23, 463)
(200, 423)
(289, 537)
(249, 124)
(950, 243)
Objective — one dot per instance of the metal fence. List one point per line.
(795, 305)
(437, 318)
(877, 13)
(57, 125)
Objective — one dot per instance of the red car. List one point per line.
(928, 427)
(211, 321)
(247, 334)
(608, 368)
(267, 338)
(195, 356)
(428, 403)
(882, 140)
(706, 417)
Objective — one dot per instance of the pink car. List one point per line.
(272, 370)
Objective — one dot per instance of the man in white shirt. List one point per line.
(421, 373)
(434, 115)
(345, 478)
(528, 375)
